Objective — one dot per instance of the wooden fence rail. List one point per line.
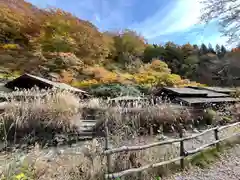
(183, 153)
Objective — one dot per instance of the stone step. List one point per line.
(88, 120)
(88, 128)
(87, 125)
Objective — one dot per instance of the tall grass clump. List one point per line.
(142, 119)
(38, 114)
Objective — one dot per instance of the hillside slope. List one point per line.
(53, 41)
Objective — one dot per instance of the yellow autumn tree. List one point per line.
(128, 44)
(11, 23)
(62, 32)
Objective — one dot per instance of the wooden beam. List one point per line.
(181, 157)
(147, 146)
(228, 126)
(135, 170)
(197, 150)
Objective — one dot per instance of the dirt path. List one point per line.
(227, 168)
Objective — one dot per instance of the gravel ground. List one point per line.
(227, 168)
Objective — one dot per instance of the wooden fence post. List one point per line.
(182, 153)
(217, 138)
(108, 156)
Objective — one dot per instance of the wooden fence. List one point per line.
(183, 153)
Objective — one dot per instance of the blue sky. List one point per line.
(158, 21)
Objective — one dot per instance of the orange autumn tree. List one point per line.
(62, 32)
(11, 23)
(235, 50)
(19, 22)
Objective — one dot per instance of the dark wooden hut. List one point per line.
(28, 81)
(197, 99)
(198, 96)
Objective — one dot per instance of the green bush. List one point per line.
(113, 90)
(209, 116)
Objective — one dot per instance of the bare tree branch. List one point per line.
(226, 13)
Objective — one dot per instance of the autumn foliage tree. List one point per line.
(62, 32)
(11, 23)
(128, 45)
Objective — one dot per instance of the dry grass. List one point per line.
(55, 111)
(127, 123)
(89, 164)
(46, 112)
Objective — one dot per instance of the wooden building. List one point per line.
(28, 81)
(198, 96)
(197, 99)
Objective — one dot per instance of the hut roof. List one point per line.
(194, 92)
(211, 94)
(208, 100)
(215, 89)
(184, 91)
(23, 82)
(199, 95)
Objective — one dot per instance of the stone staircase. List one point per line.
(88, 128)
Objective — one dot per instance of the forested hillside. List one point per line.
(51, 41)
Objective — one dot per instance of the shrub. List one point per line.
(10, 46)
(114, 90)
(209, 116)
(86, 83)
(160, 66)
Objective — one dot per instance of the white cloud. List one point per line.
(111, 13)
(184, 15)
(187, 13)
(97, 18)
